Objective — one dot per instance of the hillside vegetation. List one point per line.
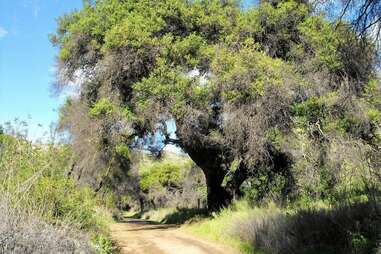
(275, 111)
(42, 210)
(277, 103)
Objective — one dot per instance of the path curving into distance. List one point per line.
(145, 237)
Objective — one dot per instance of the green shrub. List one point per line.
(103, 245)
(62, 201)
(265, 187)
(102, 107)
(124, 151)
(172, 181)
(312, 109)
(161, 175)
(317, 32)
(34, 182)
(360, 244)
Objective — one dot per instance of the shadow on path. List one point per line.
(140, 225)
(179, 216)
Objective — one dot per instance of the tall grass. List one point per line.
(42, 210)
(220, 227)
(347, 229)
(21, 233)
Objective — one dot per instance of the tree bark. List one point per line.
(214, 160)
(237, 179)
(218, 195)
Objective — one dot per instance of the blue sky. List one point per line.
(27, 60)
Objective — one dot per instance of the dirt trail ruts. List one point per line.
(145, 237)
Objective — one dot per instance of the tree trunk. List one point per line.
(236, 180)
(218, 196)
(214, 160)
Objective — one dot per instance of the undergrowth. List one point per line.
(316, 229)
(43, 211)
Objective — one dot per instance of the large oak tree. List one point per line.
(240, 84)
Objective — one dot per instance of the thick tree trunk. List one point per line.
(214, 160)
(221, 196)
(218, 196)
(215, 167)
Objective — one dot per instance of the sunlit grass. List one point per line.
(220, 227)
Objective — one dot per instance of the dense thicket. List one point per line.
(274, 90)
(42, 211)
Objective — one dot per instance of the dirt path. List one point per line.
(144, 237)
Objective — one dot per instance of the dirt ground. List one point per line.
(144, 237)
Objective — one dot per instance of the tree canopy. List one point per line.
(274, 88)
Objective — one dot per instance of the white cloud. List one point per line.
(3, 32)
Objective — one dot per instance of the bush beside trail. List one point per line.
(22, 233)
(354, 228)
(317, 229)
(42, 210)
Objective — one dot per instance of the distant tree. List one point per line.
(242, 86)
(363, 15)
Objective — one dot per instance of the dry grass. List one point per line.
(23, 233)
(348, 229)
(41, 211)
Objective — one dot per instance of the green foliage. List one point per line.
(372, 92)
(103, 245)
(265, 187)
(313, 229)
(188, 51)
(124, 151)
(63, 202)
(172, 181)
(160, 174)
(276, 137)
(241, 85)
(324, 39)
(360, 244)
(128, 114)
(220, 227)
(102, 107)
(135, 30)
(34, 181)
(275, 28)
(312, 109)
(257, 71)
(64, 54)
